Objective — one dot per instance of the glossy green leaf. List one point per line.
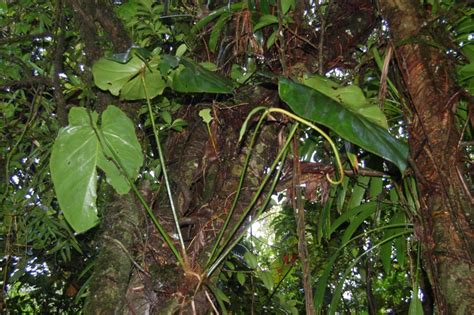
(400, 243)
(313, 105)
(286, 5)
(192, 78)
(350, 214)
(135, 88)
(265, 20)
(166, 116)
(220, 295)
(358, 191)
(217, 29)
(351, 97)
(119, 133)
(241, 278)
(215, 14)
(376, 187)
(73, 170)
(181, 50)
(271, 39)
(112, 76)
(341, 194)
(128, 79)
(77, 152)
(386, 254)
(357, 221)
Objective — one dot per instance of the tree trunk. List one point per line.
(120, 228)
(204, 171)
(446, 213)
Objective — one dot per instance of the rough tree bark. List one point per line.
(446, 214)
(205, 173)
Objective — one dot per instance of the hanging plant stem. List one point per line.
(322, 133)
(116, 160)
(225, 248)
(165, 173)
(239, 187)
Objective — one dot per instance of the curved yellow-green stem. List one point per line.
(322, 133)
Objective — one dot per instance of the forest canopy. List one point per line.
(236, 157)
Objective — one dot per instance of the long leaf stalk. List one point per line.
(257, 215)
(159, 227)
(237, 193)
(322, 133)
(267, 111)
(252, 142)
(225, 248)
(165, 173)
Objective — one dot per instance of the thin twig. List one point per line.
(323, 18)
(298, 208)
(281, 40)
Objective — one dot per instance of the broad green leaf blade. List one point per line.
(220, 297)
(265, 20)
(135, 88)
(386, 252)
(216, 30)
(358, 191)
(241, 278)
(129, 79)
(376, 187)
(192, 78)
(73, 170)
(357, 221)
(286, 5)
(312, 105)
(112, 76)
(119, 133)
(350, 96)
(400, 243)
(351, 214)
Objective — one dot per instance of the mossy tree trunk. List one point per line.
(204, 172)
(446, 215)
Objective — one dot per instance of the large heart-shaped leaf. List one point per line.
(129, 79)
(112, 75)
(119, 133)
(77, 152)
(350, 96)
(73, 170)
(315, 106)
(192, 78)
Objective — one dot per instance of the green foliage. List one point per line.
(351, 97)
(192, 78)
(137, 79)
(363, 224)
(310, 104)
(83, 146)
(127, 78)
